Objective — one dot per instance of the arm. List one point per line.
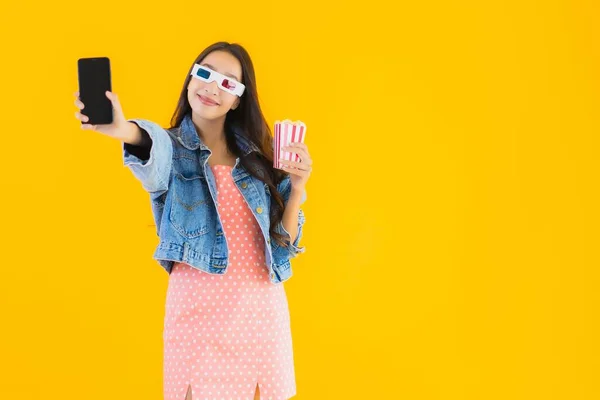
(293, 216)
(290, 215)
(140, 144)
(149, 154)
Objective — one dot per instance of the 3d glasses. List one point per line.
(225, 83)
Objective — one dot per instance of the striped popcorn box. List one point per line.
(286, 132)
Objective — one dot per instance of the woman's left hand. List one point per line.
(298, 175)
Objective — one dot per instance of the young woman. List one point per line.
(228, 224)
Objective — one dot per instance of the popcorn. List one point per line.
(286, 132)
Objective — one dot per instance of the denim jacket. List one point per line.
(183, 198)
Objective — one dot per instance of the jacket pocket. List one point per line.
(190, 200)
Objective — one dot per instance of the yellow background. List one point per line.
(452, 213)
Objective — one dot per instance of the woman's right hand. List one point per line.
(118, 129)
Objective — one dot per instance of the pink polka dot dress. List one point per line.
(226, 334)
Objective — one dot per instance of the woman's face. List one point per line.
(217, 102)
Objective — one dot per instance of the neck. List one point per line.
(212, 133)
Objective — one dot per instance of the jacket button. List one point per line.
(259, 210)
(244, 185)
(272, 275)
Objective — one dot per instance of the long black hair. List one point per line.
(250, 121)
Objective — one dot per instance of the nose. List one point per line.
(211, 87)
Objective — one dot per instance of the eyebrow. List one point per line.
(214, 69)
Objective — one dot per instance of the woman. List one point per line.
(210, 176)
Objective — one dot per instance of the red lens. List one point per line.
(228, 84)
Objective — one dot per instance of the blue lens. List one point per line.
(203, 73)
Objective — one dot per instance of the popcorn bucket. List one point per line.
(285, 133)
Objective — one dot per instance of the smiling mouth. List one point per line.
(207, 102)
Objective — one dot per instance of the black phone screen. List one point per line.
(94, 81)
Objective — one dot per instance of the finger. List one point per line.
(114, 99)
(76, 94)
(79, 104)
(290, 170)
(295, 171)
(281, 166)
(301, 165)
(303, 155)
(297, 147)
(81, 116)
(300, 145)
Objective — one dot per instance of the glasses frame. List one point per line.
(215, 76)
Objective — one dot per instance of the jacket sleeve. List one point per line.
(285, 188)
(151, 166)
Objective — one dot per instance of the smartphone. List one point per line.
(94, 80)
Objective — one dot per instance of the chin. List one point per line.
(207, 114)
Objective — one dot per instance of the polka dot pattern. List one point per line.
(226, 334)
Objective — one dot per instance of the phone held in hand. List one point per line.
(94, 80)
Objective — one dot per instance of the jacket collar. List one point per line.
(188, 136)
